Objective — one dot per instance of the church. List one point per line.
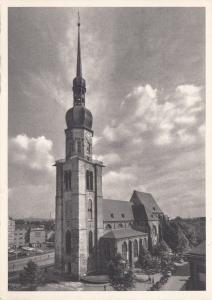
(91, 230)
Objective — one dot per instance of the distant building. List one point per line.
(37, 236)
(11, 231)
(19, 236)
(197, 261)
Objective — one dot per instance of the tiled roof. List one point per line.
(117, 210)
(123, 233)
(149, 203)
(199, 250)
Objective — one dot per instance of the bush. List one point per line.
(121, 277)
(145, 259)
(32, 276)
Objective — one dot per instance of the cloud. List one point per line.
(32, 153)
(201, 130)
(173, 120)
(156, 136)
(125, 182)
(110, 159)
(189, 93)
(48, 85)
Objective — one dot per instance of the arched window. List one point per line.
(140, 245)
(124, 250)
(146, 243)
(135, 246)
(120, 225)
(79, 148)
(68, 242)
(90, 211)
(108, 226)
(107, 249)
(90, 241)
(154, 230)
(89, 180)
(67, 180)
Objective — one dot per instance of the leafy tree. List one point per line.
(162, 249)
(183, 244)
(31, 276)
(145, 259)
(121, 277)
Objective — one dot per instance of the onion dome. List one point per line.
(79, 117)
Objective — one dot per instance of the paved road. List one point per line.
(40, 260)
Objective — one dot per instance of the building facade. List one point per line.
(37, 236)
(90, 230)
(19, 236)
(11, 232)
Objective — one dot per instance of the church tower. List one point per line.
(79, 215)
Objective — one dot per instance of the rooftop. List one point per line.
(117, 210)
(123, 233)
(149, 203)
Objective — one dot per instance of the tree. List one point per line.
(31, 276)
(145, 258)
(162, 249)
(121, 277)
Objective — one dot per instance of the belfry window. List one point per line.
(90, 211)
(89, 180)
(67, 180)
(79, 147)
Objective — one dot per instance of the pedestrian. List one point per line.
(105, 288)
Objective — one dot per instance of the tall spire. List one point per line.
(79, 64)
(79, 85)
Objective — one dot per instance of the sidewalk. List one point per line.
(175, 283)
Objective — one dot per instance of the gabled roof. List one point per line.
(149, 203)
(123, 233)
(117, 210)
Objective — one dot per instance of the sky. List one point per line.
(145, 78)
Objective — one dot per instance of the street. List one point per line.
(40, 260)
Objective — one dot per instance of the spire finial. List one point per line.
(78, 23)
(79, 64)
(79, 85)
